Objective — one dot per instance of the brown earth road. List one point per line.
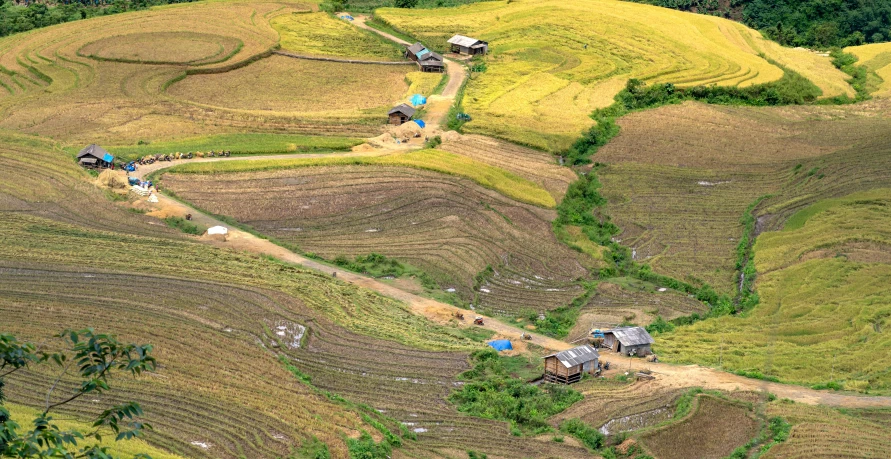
(668, 375)
(437, 105)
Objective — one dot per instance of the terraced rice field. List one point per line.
(713, 431)
(52, 87)
(610, 400)
(448, 226)
(823, 433)
(824, 302)
(679, 178)
(318, 34)
(551, 63)
(292, 87)
(614, 304)
(877, 58)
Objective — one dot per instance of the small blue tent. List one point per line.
(420, 123)
(418, 99)
(501, 345)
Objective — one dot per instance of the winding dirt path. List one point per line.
(437, 105)
(667, 375)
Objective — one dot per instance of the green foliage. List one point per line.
(558, 322)
(779, 429)
(405, 3)
(453, 121)
(373, 264)
(95, 358)
(312, 448)
(755, 374)
(294, 370)
(846, 62)
(183, 225)
(475, 455)
(659, 325)
(434, 142)
(490, 392)
(589, 436)
(365, 448)
(808, 23)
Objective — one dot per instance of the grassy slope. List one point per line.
(318, 34)
(552, 62)
(435, 160)
(825, 302)
(877, 58)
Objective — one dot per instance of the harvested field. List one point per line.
(53, 91)
(679, 178)
(319, 34)
(190, 48)
(238, 144)
(614, 304)
(824, 433)
(713, 431)
(448, 226)
(546, 74)
(611, 400)
(534, 165)
(284, 85)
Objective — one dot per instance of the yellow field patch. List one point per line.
(543, 51)
(319, 34)
(422, 82)
(179, 48)
(876, 57)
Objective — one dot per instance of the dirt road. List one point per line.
(437, 105)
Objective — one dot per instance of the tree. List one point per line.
(406, 3)
(93, 358)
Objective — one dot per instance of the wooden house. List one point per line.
(401, 113)
(427, 60)
(629, 340)
(566, 367)
(466, 45)
(95, 156)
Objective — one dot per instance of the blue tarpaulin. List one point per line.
(418, 99)
(347, 17)
(420, 123)
(108, 158)
(501, 345)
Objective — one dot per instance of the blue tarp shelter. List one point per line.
(501, 345)
(421, 123)
(347, 17)
(418, 99)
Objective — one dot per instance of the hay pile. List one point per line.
(451, 136)
(113, 180)
(407, 130)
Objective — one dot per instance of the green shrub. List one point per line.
(183, 225)
(365, 448)
(589, 436)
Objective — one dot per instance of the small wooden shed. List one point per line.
(427, 60)
(95, 156)
(401, 113)
(566, 367)
(467, 45)
(629, 340)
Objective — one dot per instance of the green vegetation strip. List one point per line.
(488, 176)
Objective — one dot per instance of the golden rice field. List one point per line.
(877, 58)
(552, 62)
(319, 34)
(422, 82)
(820, 432)
(825, 302)
(110, 86)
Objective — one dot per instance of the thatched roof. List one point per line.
(404, 109)
(576, 356)
(631, 336)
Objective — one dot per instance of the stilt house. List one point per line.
(566, 367)
(629, 340)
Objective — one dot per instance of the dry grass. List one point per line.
(542, 81)
(294, 86)
(824, 433)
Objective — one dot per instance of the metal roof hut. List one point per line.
(566, 367)
(629, 340)
(427, 60)
(401, 113)
(94, 156)
(466, 45)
